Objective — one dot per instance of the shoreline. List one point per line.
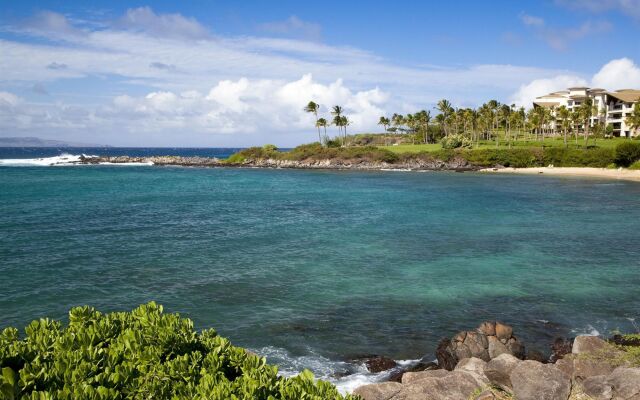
(617, 174)
(456, 164)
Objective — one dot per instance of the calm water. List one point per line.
(311, 267)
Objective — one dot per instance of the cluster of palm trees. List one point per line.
(339, 120)
(492, 118)
(480, 123)
(491, 121)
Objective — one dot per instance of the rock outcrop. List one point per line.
(454, 164)
(490, 340)
(587, 372)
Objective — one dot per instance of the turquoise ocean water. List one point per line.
(311, 268)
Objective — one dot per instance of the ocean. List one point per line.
(315, 268)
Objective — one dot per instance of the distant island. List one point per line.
(38, 142)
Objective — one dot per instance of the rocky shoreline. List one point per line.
(455, 164)
(491, 363)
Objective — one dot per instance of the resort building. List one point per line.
(612, 107)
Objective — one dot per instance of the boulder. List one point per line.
(516, 348)
(396, 376)
(496, 348)
(446, 358)
(560, 348)
(487, 328)
(597, 388)
(378, 391)
(591, 356)
(589, 344)
(488, 341)
(532, 380)
(410, 377)
(621, 384)
(455, 385)
(503, 332)
(473, 365)
(498, 370)
(377, 364)
(625, 383)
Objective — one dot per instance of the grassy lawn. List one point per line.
(484, 144)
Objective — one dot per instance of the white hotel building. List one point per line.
(614, 107)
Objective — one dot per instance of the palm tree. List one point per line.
(444, 106)
(337, 111)
(312, 108)
(633, 119)
(576, 118)
(384, 121)
(321, 122)
(563, 115)
(586, 110)
(344, 122)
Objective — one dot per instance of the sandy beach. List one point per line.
(624, 174)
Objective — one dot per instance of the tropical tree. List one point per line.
(313, 108)
(445, 108)
(633, 119)
(322, 123)
(563, 117)
(344, 122)
(586, 110)
(337, 111)
(576, 119)
(384, 121)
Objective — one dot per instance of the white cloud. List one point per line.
(527, 93)
(531, 20)
(618, 74)
(628, 7)
(560, 38)
(144, 19)
(294, 26)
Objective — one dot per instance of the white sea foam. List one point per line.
(61, 160)
(346, 376)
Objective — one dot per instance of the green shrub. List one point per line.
(627, 153)
(456, 142)
(142, 354)
(635, 165)
(593, 157)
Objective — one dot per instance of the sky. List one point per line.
(229, 73)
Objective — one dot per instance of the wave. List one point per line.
(63, 159)
(345, 376)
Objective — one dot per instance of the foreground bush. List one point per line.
(627, 153)
(142, 354)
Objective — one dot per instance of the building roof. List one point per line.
(626, 95)
(547, 104)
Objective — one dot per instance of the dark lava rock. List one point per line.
(560, 348)
(446, 359)
(396, 376)
(622, 341)
(377, 363)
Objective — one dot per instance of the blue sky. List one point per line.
(204, 73)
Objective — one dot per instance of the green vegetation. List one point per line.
(627, 153)
(455, 142)
(142, 354)
(517, 157)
